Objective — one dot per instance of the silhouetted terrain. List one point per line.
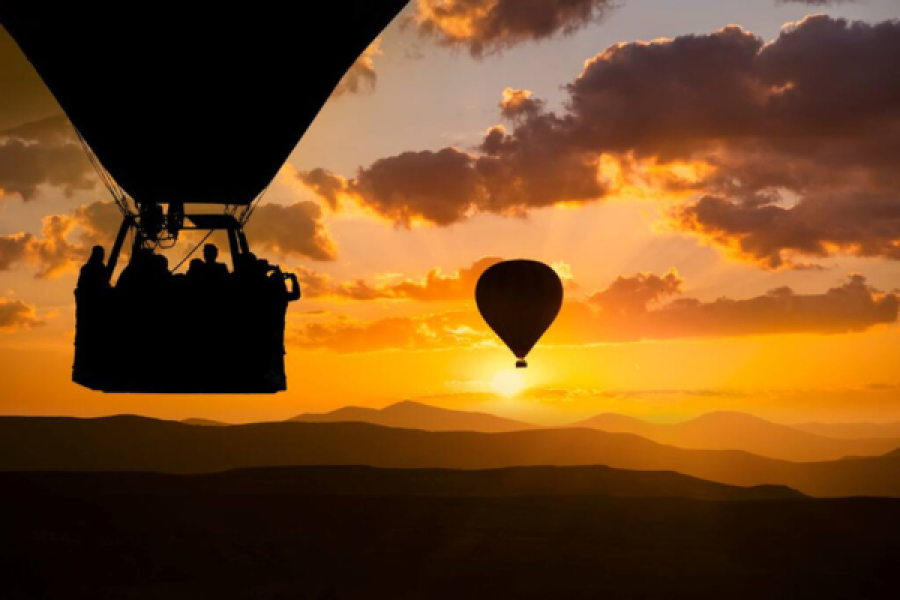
(274, 544)
(414, 415)
(204, 422)
(140, 444)
(714, 431)
(370, 481)
(853, 430)
(738, 431)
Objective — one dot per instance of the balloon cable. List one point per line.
(191, 253)
(114, 190)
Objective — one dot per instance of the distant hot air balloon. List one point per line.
(195, 112)
(519, 300)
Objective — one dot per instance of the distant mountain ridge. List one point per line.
(733, 430)
(852, 431)
(415, 415)
(712, 431)
(140, 444)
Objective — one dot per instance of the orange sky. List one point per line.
(725, 217)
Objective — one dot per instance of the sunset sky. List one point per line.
(715, 180)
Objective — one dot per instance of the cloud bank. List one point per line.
(785, 150)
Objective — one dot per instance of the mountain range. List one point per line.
(739, 431)
(712, 431)
(360, 481)
(141, 444)
(415, 415)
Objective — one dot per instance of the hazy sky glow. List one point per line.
(714, 180)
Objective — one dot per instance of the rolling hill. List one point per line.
(414, 415)
(140, 444)
(370, 481)
(852, 431)
(738, 431)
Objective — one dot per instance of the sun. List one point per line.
(508, 383)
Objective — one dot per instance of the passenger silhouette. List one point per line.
(93, 275)
(92, 325)
(277, 298)
(195, 271)
(216, 271)
(135, 274)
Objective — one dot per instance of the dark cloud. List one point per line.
(519, 103)
(64, 241)
(45, 152)
(630, 295)
(439, 187)
(787, 150)
(489, 26)
(295, 230)
(15, 314)
(799, 135)
(326, 185)
(434, 286)
(532, 167)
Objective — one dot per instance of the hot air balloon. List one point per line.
(188, 115)
(519, 300)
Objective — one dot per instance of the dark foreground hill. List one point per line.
(370, 481)
(262, 545)
(139, 444)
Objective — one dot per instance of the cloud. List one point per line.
(628, 295)
(532, 167)
(44, 152)
(796, 134)
(490, 26)
(434, 332)
(64, 241)
(361, 76)
(327, 186)
(624, 314)
(629, 310)
(295, 230)
(434, 286)
(776, 152)
(15, 314)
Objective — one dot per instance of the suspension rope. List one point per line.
(249, 212)
(114, 190)
(191, 253)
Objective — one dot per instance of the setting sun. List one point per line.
(508, 383)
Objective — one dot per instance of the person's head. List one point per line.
(160, 262)
(97, 254)
(210, 253)
(195, 265)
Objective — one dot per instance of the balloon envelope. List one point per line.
(519, 300)
(194, 106)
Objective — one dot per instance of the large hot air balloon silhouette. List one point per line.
(188, 115)
(519, 300)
